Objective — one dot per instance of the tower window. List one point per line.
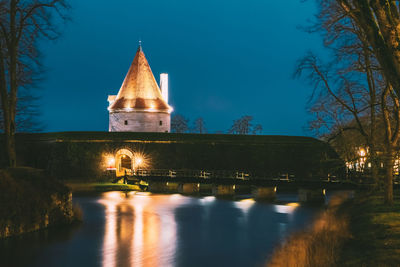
(126, 122)
(160, 123)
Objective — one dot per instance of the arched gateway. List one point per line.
(124, 162)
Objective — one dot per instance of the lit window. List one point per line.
(126, 122)
(160, 123)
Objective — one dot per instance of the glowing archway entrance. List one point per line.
(124, 162)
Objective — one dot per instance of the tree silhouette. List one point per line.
(244, 125)
(22, 25)
(199, 126)
(179, 124)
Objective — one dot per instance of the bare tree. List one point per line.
(244, 125)
(27, 113)
(362, 81)
(199, 126)
(22, 25)
(342, 101)
(257, 129)
(179, 124)
(379, 21)
(241, 126)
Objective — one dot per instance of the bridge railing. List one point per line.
(207, 174)
(228, 174)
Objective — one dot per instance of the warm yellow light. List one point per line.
(362, 152)
(323, 191)
(234, 187)
(111, 162)
(108, 162)
(293, 204)
(248, 200)
(138, 160)
(275, 189)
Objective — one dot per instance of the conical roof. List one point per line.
(139, 90)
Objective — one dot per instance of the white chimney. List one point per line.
(164, 86)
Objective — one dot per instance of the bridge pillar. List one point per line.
(205, 189)
(311, 195)
(264, 193)
(223, 190)
(158, 187)
(242, 189)
(189, 188)
(172, 187)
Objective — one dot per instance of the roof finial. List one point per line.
(140, 45)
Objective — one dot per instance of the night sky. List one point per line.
(225, 59)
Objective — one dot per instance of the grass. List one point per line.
(319, 245)
(358, 232)
(375, 230)
(100, 187)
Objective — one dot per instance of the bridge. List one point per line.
(230, 183)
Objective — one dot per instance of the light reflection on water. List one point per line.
(142, 229)
(142, 226)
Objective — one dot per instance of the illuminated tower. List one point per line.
(140, 105)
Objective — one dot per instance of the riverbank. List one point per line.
(100, 187)
(375, 233)
(351, 232)
(30, 200)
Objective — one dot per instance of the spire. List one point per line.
(139, 90)
(140, 46)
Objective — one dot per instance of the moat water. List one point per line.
(140, 229)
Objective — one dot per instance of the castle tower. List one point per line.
(139, 105)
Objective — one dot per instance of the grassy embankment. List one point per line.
(375, 234)
(30, 200)
(100, 187)
(358, 232)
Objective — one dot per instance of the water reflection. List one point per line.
(141, 229)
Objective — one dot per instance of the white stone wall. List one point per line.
(139, 122)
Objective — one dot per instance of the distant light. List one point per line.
(323, 191)
(362, 152)
(275, 189)
(293, 204)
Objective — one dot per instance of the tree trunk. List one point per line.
(12, 100)
(389, 175)
(9, 132)
(374, 166)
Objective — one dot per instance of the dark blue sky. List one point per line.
(225, 59)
